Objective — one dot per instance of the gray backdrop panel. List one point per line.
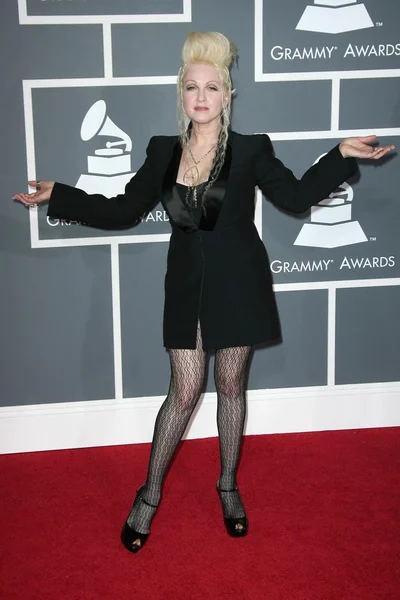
(301, 360)
(285, 106)
(57, 51)
(367, 341)
(58, 331)
(137, 54)
(363, 105)
(145, 362)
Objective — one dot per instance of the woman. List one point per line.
(218, 286)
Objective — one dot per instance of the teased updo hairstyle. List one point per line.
(215, 49)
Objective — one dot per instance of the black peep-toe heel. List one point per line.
(235, 527)
(131, 539)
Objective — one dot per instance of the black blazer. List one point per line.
(218, 271)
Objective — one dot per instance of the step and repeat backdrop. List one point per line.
(86, 83)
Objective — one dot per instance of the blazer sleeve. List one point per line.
(279, 184)
(96, 210)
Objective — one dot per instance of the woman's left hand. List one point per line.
(358, 147)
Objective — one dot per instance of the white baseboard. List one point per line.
(130, 421)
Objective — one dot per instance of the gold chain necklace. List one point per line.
(193, 173)
(196, 162)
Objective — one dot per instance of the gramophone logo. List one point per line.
(331, 225)
(109, 169)
(335, 16)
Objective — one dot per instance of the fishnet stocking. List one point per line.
(187, 375)
(230, 380)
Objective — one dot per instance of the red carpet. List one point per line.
(324, 513)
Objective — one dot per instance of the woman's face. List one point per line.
(202, 93)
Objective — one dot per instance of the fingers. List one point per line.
(382, 151)
(30, 199)
(365, 151)
(389, 148)
(375, 153)
(363, 145)
(378, 155)
(26, 199)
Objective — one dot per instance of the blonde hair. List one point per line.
(217, 50)
(211, 47)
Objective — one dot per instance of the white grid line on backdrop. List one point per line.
(107, 51)
(116, 316)
(331, 337)
(25, 19)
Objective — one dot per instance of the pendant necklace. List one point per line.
(192, 174)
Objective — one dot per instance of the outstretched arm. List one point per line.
(123, 210)
(281, 186)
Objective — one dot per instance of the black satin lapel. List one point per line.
(172, 170)
(226, 167)
(216, 194)
(174, 206)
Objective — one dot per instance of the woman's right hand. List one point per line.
(42, 194)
